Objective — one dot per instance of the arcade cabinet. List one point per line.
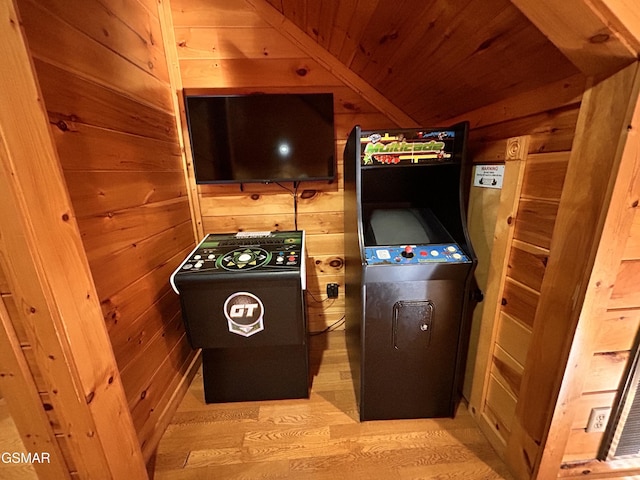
(409, 270)
(242, 303)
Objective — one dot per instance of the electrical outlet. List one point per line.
(332, 290)
(598, 419)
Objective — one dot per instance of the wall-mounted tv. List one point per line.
(261, 137)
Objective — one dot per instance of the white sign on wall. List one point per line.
(488, 176)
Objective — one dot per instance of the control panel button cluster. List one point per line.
(414, 254)
(241, 253)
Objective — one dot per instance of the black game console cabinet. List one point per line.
(243, 305)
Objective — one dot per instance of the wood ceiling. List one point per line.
(433, 59)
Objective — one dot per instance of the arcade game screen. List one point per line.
(407, 232)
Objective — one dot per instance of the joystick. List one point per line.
(408, 252)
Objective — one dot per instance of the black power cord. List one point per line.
(334, 326)
(294, 194)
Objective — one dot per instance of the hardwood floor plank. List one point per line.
(472, 470)
(320, 437)
(261, 470)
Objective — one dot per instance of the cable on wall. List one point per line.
(294, 194)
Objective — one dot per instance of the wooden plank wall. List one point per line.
(103, 73)
(76, 395)
(538, 204)
(231, 48)
(35, 417)
(575, 294)
(551, 127)
(616, 332)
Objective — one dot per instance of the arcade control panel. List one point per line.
(245, 252)
(415, 254)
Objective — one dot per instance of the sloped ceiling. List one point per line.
(437, 59)
(434, 59)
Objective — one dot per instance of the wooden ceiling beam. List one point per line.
(308, 45)
(626, 16)
(592, 34)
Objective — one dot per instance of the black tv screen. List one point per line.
(261, 138)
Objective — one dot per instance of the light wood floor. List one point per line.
(318, 438)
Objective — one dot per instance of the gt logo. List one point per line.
(242, 310)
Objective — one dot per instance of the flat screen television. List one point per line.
(262, 137)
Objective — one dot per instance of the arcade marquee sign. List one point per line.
(426, 147)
